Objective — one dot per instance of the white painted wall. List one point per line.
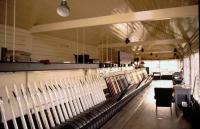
(44, 46)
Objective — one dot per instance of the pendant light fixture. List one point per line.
(127, 40)
(63, 9)
(175, 50)
(142, 50)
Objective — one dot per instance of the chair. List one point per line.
(163, 98)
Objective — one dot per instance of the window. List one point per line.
(166, 67)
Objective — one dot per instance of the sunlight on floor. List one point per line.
(163, 112)
(142, 113)
(150, 96)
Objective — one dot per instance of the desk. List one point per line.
(181, 92)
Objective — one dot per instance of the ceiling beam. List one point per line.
(151, 15)
(153, 42)
(155, 52)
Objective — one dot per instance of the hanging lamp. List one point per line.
(142, 50)
(63, 9)
(127, 40)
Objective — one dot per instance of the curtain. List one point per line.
(189, 79)
(195, 77)
(186, 70)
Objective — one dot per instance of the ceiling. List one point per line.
(37, 12)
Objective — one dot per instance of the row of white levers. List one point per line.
(56, 100)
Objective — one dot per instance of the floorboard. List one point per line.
(140, 113)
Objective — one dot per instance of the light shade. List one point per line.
(63, 9)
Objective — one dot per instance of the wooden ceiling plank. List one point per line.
(151, 15)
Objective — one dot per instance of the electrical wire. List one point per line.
(77, 46)
(83, 50)
(127, 29)
(14, 31)
(6, 15)
(111, 51)
(102, 51)
(107, 38)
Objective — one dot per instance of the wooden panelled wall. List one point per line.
(44, 46)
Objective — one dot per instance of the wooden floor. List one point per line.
(140, 113)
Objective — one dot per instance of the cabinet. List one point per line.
(182, 93)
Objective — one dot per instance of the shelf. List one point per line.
(16, 67)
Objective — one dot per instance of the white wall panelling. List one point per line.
(44, 46)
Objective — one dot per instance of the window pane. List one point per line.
(166, 67)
